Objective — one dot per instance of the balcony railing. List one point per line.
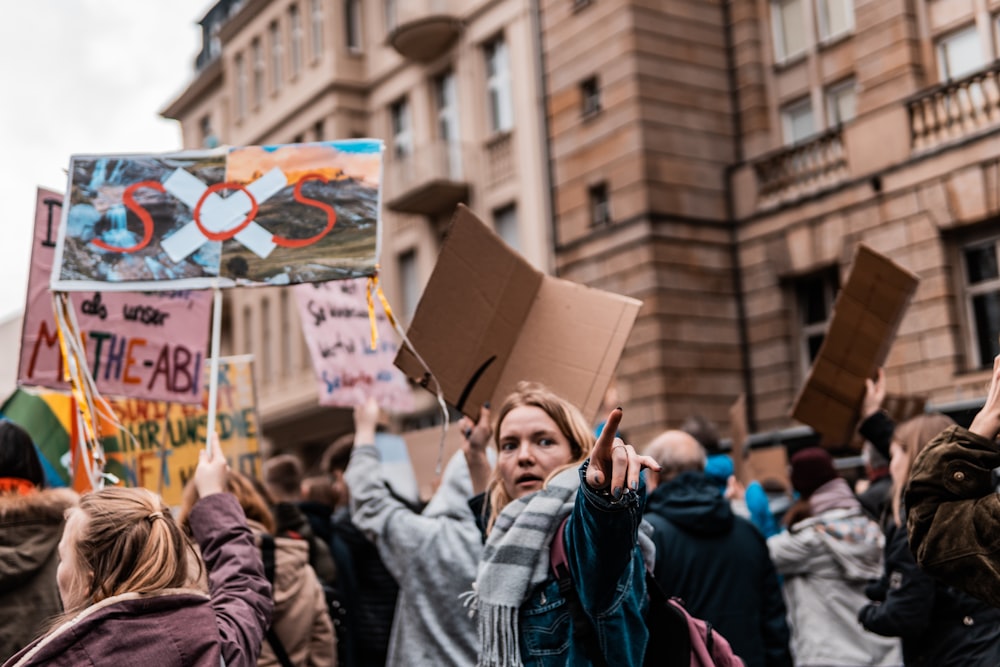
(802, 169)
(499, 158)
(424, 29)
(430, 180)
(955, 109)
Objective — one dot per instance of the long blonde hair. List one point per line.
(129, 543)
(566, 416)
(912, 436)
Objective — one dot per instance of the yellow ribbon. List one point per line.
(374, 287)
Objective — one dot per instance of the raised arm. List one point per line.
(241, 594)
(603, 529)
(395, 529)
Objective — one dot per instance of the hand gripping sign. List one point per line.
(253, 215)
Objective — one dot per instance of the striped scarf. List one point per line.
(515, 561)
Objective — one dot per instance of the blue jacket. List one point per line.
(608, 573)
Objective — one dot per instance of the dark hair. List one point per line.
(283, 475)
(704, 431)
(18, 457)
(337, 455)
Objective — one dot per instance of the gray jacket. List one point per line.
(433, 556)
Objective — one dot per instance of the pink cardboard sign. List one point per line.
(149, 345)
(338, 332)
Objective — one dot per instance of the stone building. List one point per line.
(718, 159)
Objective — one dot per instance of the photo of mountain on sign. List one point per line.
(267, 215)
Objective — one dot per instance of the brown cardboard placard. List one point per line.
(769, 466)
(738, 434)
(866, 316)
(423, 446)
(488, 319)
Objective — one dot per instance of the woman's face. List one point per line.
(898, 463)
(71, 581)
(531, 446)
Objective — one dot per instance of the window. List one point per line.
(402, 136)
(214, 42)
(318, 130)
(389, 7)
(265, 339)
(505, 224)
(352, 25)
(208, 138)
(815, 295)
(498, 86)
(797, 121)
(295, 23)
(600, 204)
(258, 72)
(409, 282)
(841, 102)
(590, 97)
(959, 54)
(982, 299)
(836, 17)
(447, 115)
(316, 11)
(788, 23)
(241, 86)
(277, 56)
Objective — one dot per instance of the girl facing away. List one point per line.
(128, 582)
(552, 475)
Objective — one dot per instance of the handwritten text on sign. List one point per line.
(161, 449)
(246, 215)
(142, 344)
(338, 332)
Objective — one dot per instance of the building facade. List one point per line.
(718, 159)
(450, 86)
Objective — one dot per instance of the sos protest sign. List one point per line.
(336, 324)
(252, 215)
(149, 345)
(161, 442)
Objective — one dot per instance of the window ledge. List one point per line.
(835, 40)
(497, 137)
(580, 5)
(791, 61)
(591, 114)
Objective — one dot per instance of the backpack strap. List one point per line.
(583, 630)
(267, 554)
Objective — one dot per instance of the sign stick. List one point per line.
(213, 373)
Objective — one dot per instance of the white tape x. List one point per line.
(218, 214)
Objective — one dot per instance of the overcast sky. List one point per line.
(82, 76)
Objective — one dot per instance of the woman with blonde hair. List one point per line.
(553, 486)
(127, 581)
(939, 625)
(301, 631)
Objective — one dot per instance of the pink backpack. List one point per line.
(676, 638)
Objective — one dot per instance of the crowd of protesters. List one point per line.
(540, 546)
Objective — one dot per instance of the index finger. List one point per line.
(607, 438)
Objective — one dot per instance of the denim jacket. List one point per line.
(608, 573)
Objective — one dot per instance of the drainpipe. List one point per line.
(541, 88)
(741, 314)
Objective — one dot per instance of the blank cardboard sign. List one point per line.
(488, 319)
(865, 319)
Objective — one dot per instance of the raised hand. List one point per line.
(210, 475)
(987, 422)
(475, 441)
(874, 395)
(615, 465)
(365, 422)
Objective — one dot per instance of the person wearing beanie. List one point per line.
(830, 551)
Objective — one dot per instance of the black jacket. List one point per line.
(718, 564)
(940, 626)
